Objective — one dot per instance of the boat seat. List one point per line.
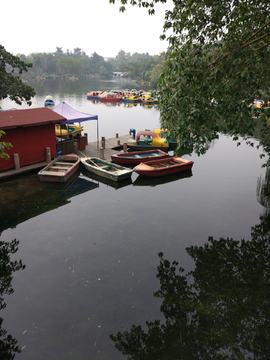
(105, 167)
(60, 168)
(65, 163)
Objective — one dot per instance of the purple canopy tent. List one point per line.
(73, 115)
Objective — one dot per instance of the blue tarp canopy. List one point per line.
(72, 115)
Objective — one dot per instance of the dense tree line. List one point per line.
(74, 63)
(142, 67)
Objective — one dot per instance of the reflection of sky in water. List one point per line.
(91, 263)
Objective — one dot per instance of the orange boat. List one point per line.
(163, 167)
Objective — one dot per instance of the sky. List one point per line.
(31, 26)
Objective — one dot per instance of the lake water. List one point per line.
(91, 250)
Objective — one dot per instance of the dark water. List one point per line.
(91, 260)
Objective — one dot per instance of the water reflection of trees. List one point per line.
(8, 344)
(219, 310)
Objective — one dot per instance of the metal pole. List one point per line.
(97, 137)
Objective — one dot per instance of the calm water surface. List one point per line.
(91, 250)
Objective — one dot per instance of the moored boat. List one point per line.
(131, 99)
(146, 140)
(60, 169)
(94, 95)
(49, 101)
(110, 97)
(106, 169)
(136, 157)
(66, 130)
(163, 167)
(160, 180)
(148, 100)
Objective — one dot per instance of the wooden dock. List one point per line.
(112, 146)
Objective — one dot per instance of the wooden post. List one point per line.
(116, 135)
(125, 147)
(118, 142)
(17, 161)
(103, 142)
(48, 155)
(101, 153)
(85, 134)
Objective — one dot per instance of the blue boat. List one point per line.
(49, 101)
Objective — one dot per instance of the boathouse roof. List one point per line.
(28, 117)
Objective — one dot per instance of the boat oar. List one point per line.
(88, 159)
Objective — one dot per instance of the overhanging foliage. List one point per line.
(218, 63)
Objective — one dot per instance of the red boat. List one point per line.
(136, 157)
(94, 95)
(163, 167)
(110, 97)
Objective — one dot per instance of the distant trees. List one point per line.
(74, 62)
(141, 67)
(68, 65)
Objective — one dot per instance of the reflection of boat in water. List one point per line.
(76, 185)
(115, 103)
(129, 104)
(114, 184)
(154, 181)
(24, 197)
(148, 106)
(93, 101)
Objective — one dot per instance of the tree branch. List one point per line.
(262, 46)
(258, 31)
(252, 42)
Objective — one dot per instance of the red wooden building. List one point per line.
(30, 131)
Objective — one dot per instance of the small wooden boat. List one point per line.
(106, 169)
(136, 157)
(100, 179)
(60, 169)
(163, 167)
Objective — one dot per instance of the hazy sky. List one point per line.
(93, 25)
